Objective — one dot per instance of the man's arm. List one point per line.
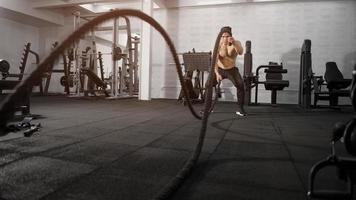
(238, 47)
(217, 74)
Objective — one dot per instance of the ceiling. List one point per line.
(44, 12)
(137, 3)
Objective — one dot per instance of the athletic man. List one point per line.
(225, 67)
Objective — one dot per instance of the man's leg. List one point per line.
(235, 77)
(207, 83)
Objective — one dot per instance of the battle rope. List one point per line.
(167, 191)
(7, 106)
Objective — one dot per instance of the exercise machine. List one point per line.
(123, 80)
(249, 77)
(328, 88)
(195, 64)
(336, 83)
(345, 132)
(273, 80)
(66, 79)
(10, 80)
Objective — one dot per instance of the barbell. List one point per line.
(64, 80)
(4, 66)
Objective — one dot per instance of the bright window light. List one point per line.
(89, 7)
(155, 5)
(214, 2)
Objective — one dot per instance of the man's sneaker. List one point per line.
(241, 112)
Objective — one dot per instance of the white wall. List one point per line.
(13, 37)
(277, 31)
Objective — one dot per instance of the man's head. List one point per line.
(226, 34)
(226, 29)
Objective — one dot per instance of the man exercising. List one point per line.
(229, 48)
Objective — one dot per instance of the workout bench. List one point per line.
(273, 81)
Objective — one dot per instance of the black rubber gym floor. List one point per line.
(130, 149)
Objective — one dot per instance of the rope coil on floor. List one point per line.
(7, 107)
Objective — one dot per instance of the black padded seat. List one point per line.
(334, 78)
(340, 84)
(274, 80)
(276, 84)
(336, 83)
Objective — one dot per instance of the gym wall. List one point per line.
(277, 31)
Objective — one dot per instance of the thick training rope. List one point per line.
(7, 106)
(166, 192)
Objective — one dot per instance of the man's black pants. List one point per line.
(234, 76)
